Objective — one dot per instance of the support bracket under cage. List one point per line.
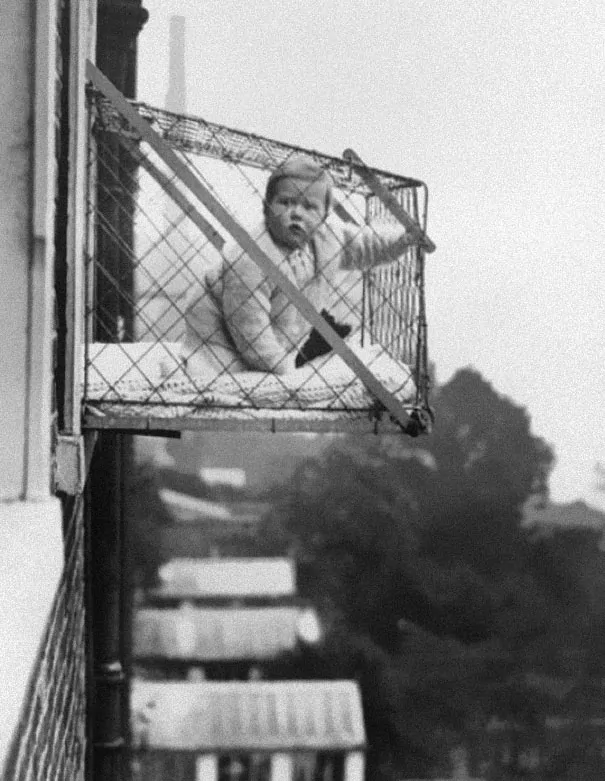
(394, 407)
(72, 461)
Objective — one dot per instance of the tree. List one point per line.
(423, 528)
(427, 534)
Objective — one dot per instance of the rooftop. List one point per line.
(243, 716)
(211, 634)
(233, 578)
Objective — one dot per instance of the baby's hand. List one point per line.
(416, 237)
(424, 242)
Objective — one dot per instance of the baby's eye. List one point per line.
(312, 206)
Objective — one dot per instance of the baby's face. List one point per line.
(295, 212)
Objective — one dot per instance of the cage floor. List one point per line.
(137, 387)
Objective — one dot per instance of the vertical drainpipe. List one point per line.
(118, 25)
(108, 761)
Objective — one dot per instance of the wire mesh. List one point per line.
(182, 326)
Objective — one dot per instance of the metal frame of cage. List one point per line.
(175, 139)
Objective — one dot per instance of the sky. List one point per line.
(500, 108)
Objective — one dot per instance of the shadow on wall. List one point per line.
(264, 458)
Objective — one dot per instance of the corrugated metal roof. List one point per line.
(186, 508)
(234, 578)
(247, 716)
(191, 508)
(213, 634)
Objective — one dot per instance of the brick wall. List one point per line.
(51, 740)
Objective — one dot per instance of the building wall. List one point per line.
(42, 666)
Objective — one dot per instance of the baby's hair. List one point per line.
(299, 167)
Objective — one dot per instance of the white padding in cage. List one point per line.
(147, 373)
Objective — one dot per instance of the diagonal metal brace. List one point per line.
(247, 243)
(188, 209)
(391, 203)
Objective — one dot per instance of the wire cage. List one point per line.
(189, 296)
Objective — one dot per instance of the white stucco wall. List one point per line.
(31, 544)
(31, 561)
(16, 75)
(31, 519)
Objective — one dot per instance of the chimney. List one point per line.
(176, 97)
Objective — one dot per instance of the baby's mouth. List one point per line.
(298, 233)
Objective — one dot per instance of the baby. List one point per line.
(242, 320)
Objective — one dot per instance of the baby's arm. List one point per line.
(373, 245)
(247, 312)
